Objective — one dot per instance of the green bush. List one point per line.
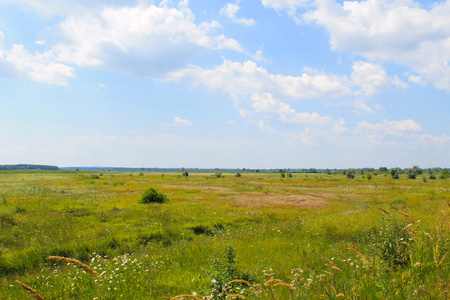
(350, 173)
(394, 174)
(152, 196)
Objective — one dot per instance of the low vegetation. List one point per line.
(259, 235)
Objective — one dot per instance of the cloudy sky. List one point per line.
(239, 84)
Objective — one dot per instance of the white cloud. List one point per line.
(371, 78)
(266, 128)
(49, 9)
(415, 79)
(393, 127)
(179, 122)
(230, 10)
(270, 107)
(257, 93)
(361, 105)
(398, 31)
(37, 67)
(230, 122)
(285, 4)
(142, 40)
(247, 78)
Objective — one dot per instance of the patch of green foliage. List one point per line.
(151, 195)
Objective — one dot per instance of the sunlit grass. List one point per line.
(155, 250)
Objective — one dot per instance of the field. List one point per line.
(309, 236)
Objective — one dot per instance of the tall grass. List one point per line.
(341, 249)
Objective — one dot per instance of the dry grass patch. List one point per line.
(268, 200)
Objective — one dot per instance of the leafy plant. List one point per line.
(391, 242)
(394, 174)
(350, 173)
(151, 195)
(225, 271)
(413, 172)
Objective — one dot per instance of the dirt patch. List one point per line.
(323, 196)
(306, 201)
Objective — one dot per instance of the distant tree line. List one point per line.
(28, 167)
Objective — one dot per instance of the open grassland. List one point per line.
(312, 236)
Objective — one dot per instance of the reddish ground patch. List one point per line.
(264, 200)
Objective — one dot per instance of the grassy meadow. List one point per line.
(258, 236)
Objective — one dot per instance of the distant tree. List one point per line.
(394, 174)
(283, 175)
(350, 173)
(444, 174)
(383, 169)
(185, 174)
(413, 172)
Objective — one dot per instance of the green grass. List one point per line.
(293, 226)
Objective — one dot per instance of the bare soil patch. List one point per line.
(264, 200)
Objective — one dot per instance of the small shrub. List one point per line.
(413, 172)
(218, 174)
(152, 196)
(185, 174)
(238, 175)
(350, 173)
(433, 177)
(394, 174)
(369, 176)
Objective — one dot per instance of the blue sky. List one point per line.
(237, 84)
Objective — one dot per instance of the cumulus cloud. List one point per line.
(179, 122)
(265, 128)
(38, 67)
(393, 127)
(49, 9)
(247, 78)
(415, 79)
(371, 78)
(361, 106)
(230, 10)
(395, 31)
(270, 107)
(142, 40)
(259, 95)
